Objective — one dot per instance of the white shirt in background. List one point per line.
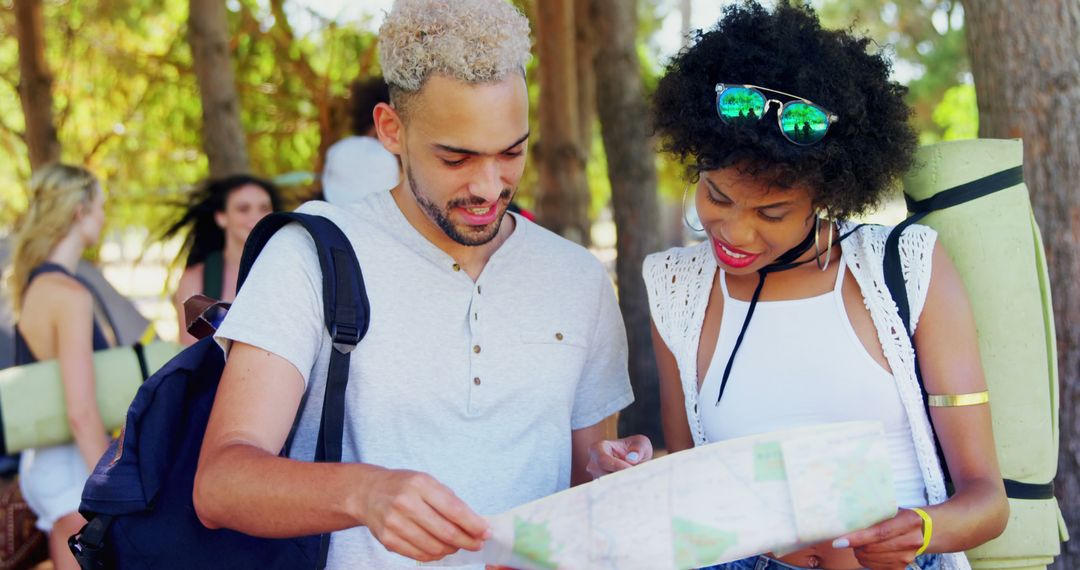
(355, 167)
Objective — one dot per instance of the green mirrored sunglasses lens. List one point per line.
(740, 103)
(803, 123)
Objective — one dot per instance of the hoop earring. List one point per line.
(817, 247)
(685, 219)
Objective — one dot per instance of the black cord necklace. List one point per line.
(782, 263)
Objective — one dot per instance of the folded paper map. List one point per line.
(772, 492)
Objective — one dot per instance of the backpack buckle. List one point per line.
(345, 337)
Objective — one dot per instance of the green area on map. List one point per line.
(768, 462)
(532, 541)
(698, 544)
(860, 486)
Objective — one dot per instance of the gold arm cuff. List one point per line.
(953, 400)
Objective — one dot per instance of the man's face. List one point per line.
(464, 153)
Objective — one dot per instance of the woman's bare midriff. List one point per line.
(822, 555)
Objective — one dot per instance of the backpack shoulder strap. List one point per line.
(894, 281)
(213, 274)
(346, 315)
(345, 309)
(345, 303)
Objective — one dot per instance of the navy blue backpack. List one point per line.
(138, 501)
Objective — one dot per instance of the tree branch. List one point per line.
(10, 79)
(112, 132)
(12, 130)
(70, 33)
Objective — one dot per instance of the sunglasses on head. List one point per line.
(801, 121)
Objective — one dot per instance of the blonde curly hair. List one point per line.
(473, 41)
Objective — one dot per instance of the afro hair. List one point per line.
(863, 153)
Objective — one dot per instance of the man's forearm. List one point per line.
(246, 489)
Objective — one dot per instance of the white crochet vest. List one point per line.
(679, 280)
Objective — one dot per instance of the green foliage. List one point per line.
(958, 114)
(127, 104)
(925, 39)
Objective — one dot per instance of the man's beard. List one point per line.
(465, 235)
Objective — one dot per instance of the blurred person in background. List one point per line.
(58, 317)
(218, 218)
(358, 164)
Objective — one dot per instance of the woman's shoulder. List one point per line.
(676, 259)
(55, 293)
(58, 284)
(190, 281)
(673, 279)
(878, 233)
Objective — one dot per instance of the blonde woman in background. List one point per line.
(55, 319)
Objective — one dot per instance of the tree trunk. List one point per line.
(1025, 57)
(223, 135)
(686, 9)
(584, 50)
(35, 85)
(562, 201)
(632, 170)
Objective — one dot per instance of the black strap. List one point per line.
(88, 542)
(140, 355)
(213, 278)
(894, 272)
(894, 281)
(1018, 490)
(101, 306)
(345, 313)
(968, 191)
(783, 263)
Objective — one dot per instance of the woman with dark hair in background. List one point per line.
(217, 221)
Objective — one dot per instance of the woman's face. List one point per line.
(91, 220)
(750, 221)
(244, 207)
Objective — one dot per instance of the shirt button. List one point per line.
(478, 290)
(476, 349)
(476, 381)
(558, 336)
(457, 267)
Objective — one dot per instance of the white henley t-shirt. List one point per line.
(478, 383)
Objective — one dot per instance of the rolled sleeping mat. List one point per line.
(32, 409)
(997, 249)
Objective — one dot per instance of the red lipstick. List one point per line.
(731, 256)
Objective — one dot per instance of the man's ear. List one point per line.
(389, 128)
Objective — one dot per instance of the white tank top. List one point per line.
(801, 363)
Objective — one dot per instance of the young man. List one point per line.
(495, 349)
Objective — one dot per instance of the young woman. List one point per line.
(781, 317)
(56, 320)
(218, 219)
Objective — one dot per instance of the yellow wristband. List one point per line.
(927, 529)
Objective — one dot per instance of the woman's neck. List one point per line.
(232, 253)
(67, 253)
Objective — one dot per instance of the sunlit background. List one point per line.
(127, 104)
